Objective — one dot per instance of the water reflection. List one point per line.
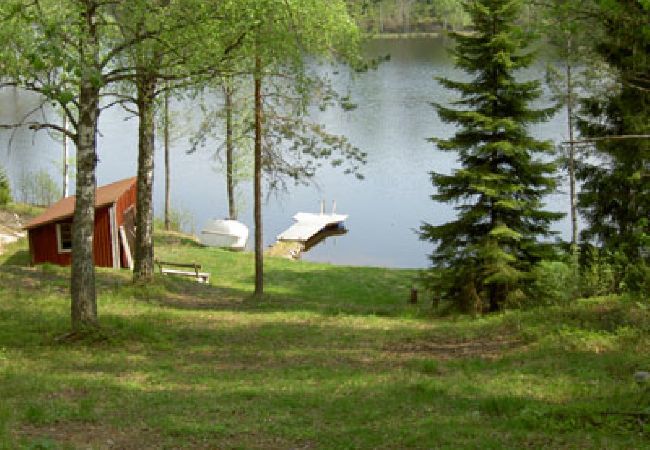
(328, 232)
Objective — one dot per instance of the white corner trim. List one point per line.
(115, 249)
(127, 249)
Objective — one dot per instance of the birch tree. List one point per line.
(285, 34)
(191, 44)
(229, 123)
(563, 23)
(71, 51)
(55, 49)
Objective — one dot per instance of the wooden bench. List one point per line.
(201, 277)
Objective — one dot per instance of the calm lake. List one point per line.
(392, 122)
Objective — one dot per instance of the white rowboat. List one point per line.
(224, 233)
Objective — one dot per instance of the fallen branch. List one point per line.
(608, 138)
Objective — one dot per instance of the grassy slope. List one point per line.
(332, 359)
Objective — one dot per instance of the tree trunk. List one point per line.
(228, 94)
(82, 272)
(572, 173)
(166, 145)
(259, 256)
(66, 166)
(143, 258)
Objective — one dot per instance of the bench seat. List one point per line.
(201, 277)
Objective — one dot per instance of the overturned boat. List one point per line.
(224, 233)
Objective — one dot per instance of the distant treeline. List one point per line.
(410, 16)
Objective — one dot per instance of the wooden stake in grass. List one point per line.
(414, 296)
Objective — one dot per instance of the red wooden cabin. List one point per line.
(50, 234)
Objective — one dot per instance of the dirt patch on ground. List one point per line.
(222, 299)
(68, 394)
(90, 436)
(486, 347)
(104, 437)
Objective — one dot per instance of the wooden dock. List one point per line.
(309, 225)
(308, 230)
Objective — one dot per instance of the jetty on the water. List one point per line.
(309, 225)
(308, 230)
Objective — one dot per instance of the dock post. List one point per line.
(333, 206)
(322, 207)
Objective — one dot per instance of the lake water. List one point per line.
(392, 122)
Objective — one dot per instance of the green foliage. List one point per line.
(408, 16)
(551, 283)
(603, 272)
(483, 257)
(295, 146)
(213, 126)
(615, 196)
(637, 279)
(615, 191)
(5, 188)
(599, 272)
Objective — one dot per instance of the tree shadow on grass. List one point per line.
(190, 402)
(311, 292)
(17, 258)
(334, 290)
(267, 380)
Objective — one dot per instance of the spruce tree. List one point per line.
(482, 257)
(615, 196)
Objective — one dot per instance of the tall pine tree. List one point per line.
(482, 257)
(615, 196)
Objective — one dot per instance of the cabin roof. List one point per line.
(64, 208)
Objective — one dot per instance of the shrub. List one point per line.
(604, 272)
(5, 189)
(599, 272)
(551, 283)
(636, 279)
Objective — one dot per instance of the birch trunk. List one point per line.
(143, 253)
(230, 182)
(66, 177)
(572, 171)
(167, 176)
(82, 272)
(259, 256)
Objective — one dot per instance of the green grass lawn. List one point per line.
(333, 357)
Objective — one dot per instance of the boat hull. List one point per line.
(229, 234)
